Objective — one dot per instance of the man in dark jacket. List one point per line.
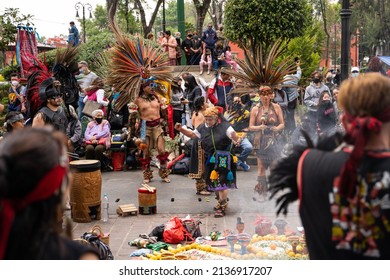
(209, 37)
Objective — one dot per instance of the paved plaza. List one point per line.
(178, 198)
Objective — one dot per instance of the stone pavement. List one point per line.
(177, 198)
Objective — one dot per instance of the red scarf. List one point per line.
(357, 135)
(9, 207)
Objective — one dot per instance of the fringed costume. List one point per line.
(258, 71)
(197, 167)
(134, 65)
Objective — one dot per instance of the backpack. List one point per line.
(182, 166)
(175, 232)
(193, 227)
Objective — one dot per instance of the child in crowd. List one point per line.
(228, 58)
(205, 60)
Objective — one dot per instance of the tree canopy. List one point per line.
(252, 22)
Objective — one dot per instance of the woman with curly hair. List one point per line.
(343, 189)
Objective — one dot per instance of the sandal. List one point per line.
(219, 214)
(166, 180)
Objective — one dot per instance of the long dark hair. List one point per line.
(190, 79)
(26, 157)
(198, 104)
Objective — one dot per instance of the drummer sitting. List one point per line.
(97, 138)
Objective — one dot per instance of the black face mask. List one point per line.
(316, 80)
(186, 85)
(99, 120)
(326, 104)
(329, 79)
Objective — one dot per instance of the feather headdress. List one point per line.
(133, 62)
(260, 69)
(64, 68)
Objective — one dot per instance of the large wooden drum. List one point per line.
(86, 190)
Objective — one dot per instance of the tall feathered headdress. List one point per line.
(262, 69)
(133, 62)
(64, 68)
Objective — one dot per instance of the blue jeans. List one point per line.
(218, 63)
(81, 107)
(247, 148)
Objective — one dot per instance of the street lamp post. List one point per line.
(163, 17)
(89, 7)
(345, 39)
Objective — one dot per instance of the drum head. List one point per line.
(85, 165)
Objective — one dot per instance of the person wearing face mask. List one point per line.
(97, 136)
(312, 95)
(354, 72)
(186, 46)
(329, 82)
(326, 115)
(51, 113)
(16, 98)
(84, 79)
(209, 37)
(192, 91)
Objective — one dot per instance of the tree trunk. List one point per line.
(147, 28)
(201, 10)
(323, 12)
(112, 6)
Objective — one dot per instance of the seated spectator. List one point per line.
(205, 59)
(74, 131)
(97, 137)
(117, 117)
(240, 115)
(218, 57)
(33, 179)
(229, 59)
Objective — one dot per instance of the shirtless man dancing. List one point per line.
(149, 104)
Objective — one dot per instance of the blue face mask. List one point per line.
(354, 74)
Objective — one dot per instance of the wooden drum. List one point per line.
(147, 198)
(86, 190)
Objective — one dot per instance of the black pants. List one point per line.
(290, 123)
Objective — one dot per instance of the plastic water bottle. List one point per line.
(105, 205)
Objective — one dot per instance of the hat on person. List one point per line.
(211, 112)
(49, 88)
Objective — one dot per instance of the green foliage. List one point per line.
(4, 93)
(372, 20)
(95, 45)
(308, 49)
(171, 16)
(9, 22)
(8, 70)
(252, 22)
